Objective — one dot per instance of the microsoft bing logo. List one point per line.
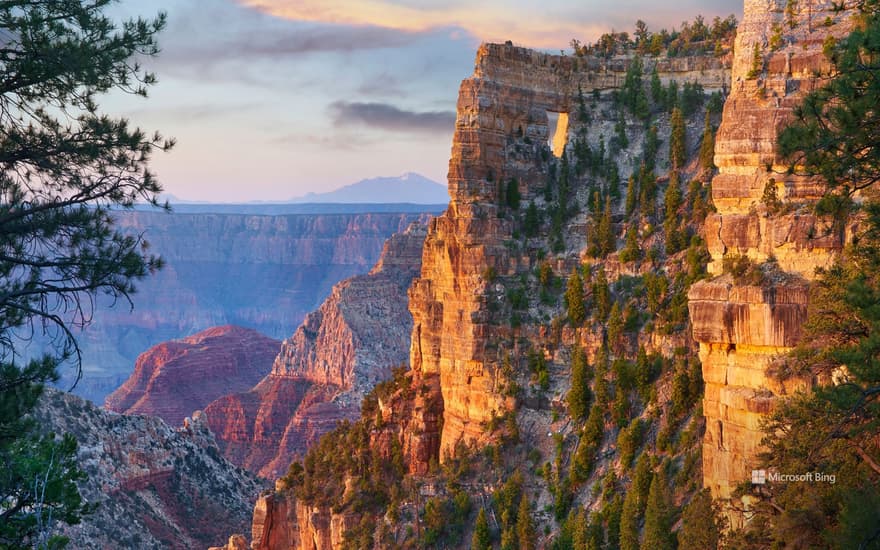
(759, 477)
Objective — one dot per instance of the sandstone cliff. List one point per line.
(741, 329)
(157, 487)
(290, 262)
(470, 396)
(175, 378)
(341, 350)
(511, 93)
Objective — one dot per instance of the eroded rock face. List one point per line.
(175, 378)
(742, 329)
(510, 94)
(289, 263)
(280, 521)
(322, 372)
(157, 487)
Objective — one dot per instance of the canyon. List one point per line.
(173, 379)
(460, 355)
(290, 262)
(156, 486)
(321, 373)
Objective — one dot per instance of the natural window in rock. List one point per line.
(557, 128)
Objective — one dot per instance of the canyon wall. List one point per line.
(156, 487)
(741, 328)
(340, 351)
(510, 94)
(256, 271)
(175, 378)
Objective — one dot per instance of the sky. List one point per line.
(272, 99)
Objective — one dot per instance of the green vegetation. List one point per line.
(700, 525)
(482, 539)
(693, 38)
(833, 428)
(707, 145)
(757, 62)
(66, 167)
(574, 299)
(658, 515)
(677, 140)
(579, 395)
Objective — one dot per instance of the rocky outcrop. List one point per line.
(175, 378)
(156, 487)
(742, 329)
(280, 521)
(290, 263)
(513, 92)
(341, 350)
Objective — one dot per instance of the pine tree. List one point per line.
(66, 167)
(580, 531)
(482, 539)
(656, 87)
(632, 251)
(833, 427)
(632, 195)
(700, 529)
(629, 522)
(525, 528)
(511, 195)
(757, 62)
(615, 328)
(574, 299)
(532, 220)
(642, 478)
(677, 140)
(707, 145)
(652, 145)
(579, 395)
(601, 297)
(658, 516)
(606, 241)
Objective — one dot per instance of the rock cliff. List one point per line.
(175, 378)
(742, 328)
(290, 261)
(156, 487)
(341, 350)
(511, 93)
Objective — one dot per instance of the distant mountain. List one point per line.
(410, 187)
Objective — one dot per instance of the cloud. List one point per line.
(389, 117)
(548, 24)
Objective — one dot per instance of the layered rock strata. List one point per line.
(175, 378)
(743, 329)
(290, 262)
(341, 350)
(156, 487)
(510, 95)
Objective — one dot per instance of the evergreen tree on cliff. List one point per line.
(63, 166)
(834, 428)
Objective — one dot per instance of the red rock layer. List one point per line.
(341, 350)
(175, 378)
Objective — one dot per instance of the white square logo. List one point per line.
(759, 477)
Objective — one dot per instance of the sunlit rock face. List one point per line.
(175, 378)
(742, 329)
(511, 93)
(323, 370)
